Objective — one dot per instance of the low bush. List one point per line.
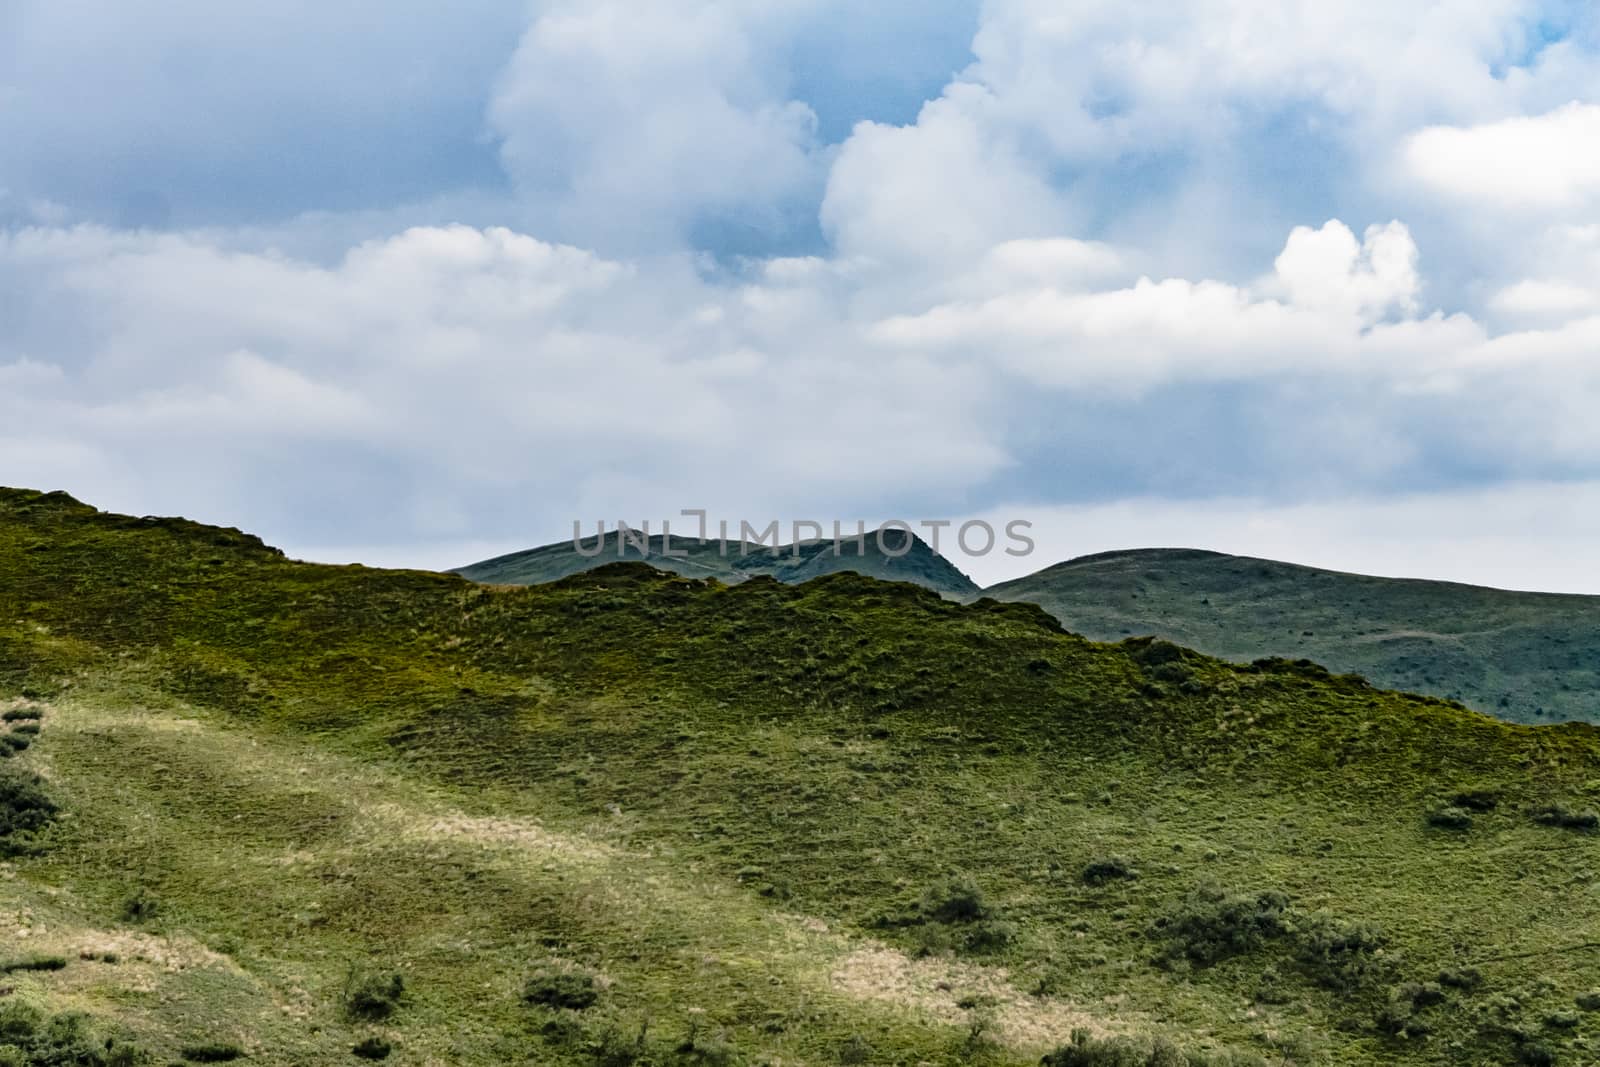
(710, 1050)
(140, 907)
(955, 900)
(29, 1039)
(1337, 953)
(1212, 925)
(25, 810)
(562, 989)
(613, 1048)
(1560, 815)
(18, 1021)
(1588, 1001)
(22, 715)
(987, 935)
(372, 997)
(1272, 988)
(1108, 869)
(1153, 651)
(212, 1052)
(1422, 994)
(854, 1051)
(372, 1048)
(1464, 978)
(1535, 1054)
(34, 963)
(1399, 1018)
(1481, 801)
(1450, 818)
(1562, 1020)
(953, 916)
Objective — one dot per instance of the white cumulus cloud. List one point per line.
(627, 124)
(1547, 163)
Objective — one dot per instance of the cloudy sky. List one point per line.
(413, 283)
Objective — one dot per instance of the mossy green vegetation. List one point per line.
(630, 817)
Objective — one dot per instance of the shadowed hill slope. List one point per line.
(1527, 657)
(900, 557)
(628, 817)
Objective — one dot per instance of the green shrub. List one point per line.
(1422, 994)
(22, 715)
(614, 1049)
(1153, 651)
(34, 963)
(1176, 673)
(712, 1050)
(18, 1021)
(955, 900)
(1481, 801)
(29, 728)
(66, 1040)
(1450, 818)
(854, 1051)
(25, 810)
(1398, 1018)
(1338, 953)
(568, 990)
(1464, 978)
(140, 907)
(372, 1048)
(10, 744)
(1588, 1001)
(1212, 925)
(1535, 1054)
(1561, 816)
(1108, 869)
(212, 1052)
(953, 916)
(372, 997)
(987, 935)
(1271, 988)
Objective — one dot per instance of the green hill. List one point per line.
(1527, 657)
(901, 556)
(289, 811)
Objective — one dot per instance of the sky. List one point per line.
(415, 284)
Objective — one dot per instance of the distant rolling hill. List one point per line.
(736, 561)
(1527, 657)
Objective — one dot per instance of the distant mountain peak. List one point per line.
(889, 552)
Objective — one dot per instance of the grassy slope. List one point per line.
(1527, 657)
(736, 561)
(712, 796)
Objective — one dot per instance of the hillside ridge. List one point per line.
(1527, 657)
(870, 824)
